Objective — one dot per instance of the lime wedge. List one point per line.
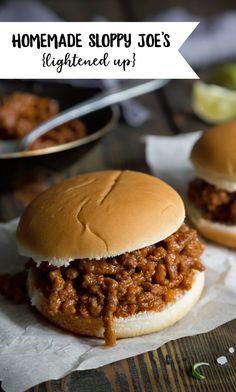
(213, 104)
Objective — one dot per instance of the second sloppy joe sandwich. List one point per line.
(212, 194)
(111, 255)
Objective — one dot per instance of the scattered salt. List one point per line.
(222, 360)
(231, 350)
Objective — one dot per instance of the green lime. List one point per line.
(224, 75)
(213, 104)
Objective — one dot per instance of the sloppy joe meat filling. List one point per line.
(216, 204)
(21, 112)
(145, 279)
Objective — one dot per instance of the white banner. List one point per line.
(94, 50)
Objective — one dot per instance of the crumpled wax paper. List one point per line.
(32, 350)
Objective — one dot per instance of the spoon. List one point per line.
(93, 104)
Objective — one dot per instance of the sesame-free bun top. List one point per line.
(214, 156)
(99, 214)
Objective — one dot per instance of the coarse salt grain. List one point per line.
(231, 350)
(222, 360)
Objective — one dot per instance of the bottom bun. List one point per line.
(218, 232)
(140, 324)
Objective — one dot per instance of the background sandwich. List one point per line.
(212, 194)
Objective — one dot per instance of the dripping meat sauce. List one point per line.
(143, 280)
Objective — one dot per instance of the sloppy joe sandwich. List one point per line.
(212, 194)
(111, 255)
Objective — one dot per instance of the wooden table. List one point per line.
(168, 368)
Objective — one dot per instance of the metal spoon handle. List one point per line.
(97, 102)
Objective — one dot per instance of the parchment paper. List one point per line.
(33, 351)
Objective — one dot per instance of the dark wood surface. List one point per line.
(164, 370)
(168, 368)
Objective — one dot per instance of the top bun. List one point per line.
(214, 156)
(100, 214)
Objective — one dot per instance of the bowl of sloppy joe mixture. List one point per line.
(211, 202)
(110, 255)
(26, 104)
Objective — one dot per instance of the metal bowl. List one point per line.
(57, 157)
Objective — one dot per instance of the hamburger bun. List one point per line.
(217, 232)
(96, 215)
(99, 216)
(214, 157)
(139, 324)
